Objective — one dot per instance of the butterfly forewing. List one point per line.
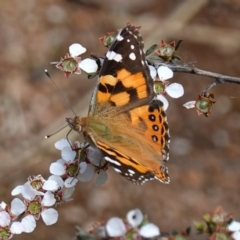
(124, 79)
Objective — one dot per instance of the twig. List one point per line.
(197, 71)
(219, 78)
(213, 84)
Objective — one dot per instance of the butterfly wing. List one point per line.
(124, 120)
(138, 145)
(124, 79)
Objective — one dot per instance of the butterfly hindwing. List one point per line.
(138, 153)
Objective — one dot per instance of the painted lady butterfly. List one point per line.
(125, 120)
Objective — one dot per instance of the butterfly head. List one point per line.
(76, 123)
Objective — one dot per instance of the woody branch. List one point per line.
(219, 78)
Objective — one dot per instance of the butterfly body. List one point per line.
(125, 121)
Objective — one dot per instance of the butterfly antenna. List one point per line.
(48, 136)
(60, 92)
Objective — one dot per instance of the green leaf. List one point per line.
(178, 44)
(176, 58)
(92, 75)
(151, 49)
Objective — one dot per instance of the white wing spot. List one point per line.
(119, 37)
(117, 170)
(131, 171)
(132, 47)
(128, 40)
(113, 161)
(114, 56)
(132, 56)
(108, 54)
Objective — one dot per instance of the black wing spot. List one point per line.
(152, 117)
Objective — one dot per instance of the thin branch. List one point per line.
(213, 84)
(197, 71)
(219, 78)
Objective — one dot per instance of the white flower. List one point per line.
(27, 191)
(68, 165)
(174, 90)
(88, 65)
(115, 227)
(134, 217)
(149, 230)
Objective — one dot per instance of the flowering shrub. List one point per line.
(81, 162)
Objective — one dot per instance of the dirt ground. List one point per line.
(204, 164)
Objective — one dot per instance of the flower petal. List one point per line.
(87, 175)
(115, 227)
(88, 65)
(164, 101)
(68, 154)
(3, 206)
(76, 49)
(234, 226)
(4, 219)
(164, 73)
(153, 72)
(70, 182)
(190, 104)
(17, 228)
(48, 199)
(175, 90)
(17, 206)
(57, 169)
(57, 179)
(50, 185)
(101, 178)
(83, 167)
(61, 144)
(29, 193)
(49, 216)
(17, 190)
(29, 223)
(94, 155)
(149, 230)
(134, 217)
(67, 193)
(236, 236)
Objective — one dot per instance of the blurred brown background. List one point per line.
(204, 161)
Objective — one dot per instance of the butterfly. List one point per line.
(125, 120)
